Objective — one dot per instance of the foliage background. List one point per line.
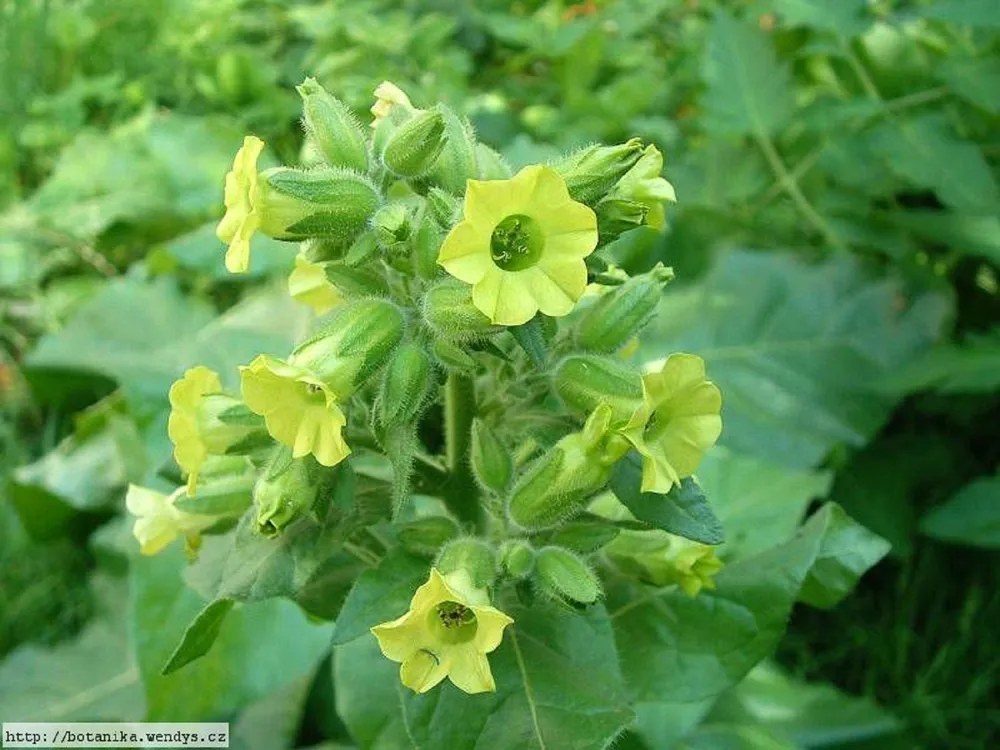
(837, 240)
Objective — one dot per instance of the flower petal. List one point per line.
(504, 297)
(433, 592)
(470, 670)
(556, 284)
(399, 638)
(422, 671)
(309, 284)
(465, 252)
(491, 623)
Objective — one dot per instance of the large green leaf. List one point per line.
(760, 504)
(970, 12)
(925, 152)
(797, 349)
(676, 648)
(92, 677)
(748, 92)
(145, 334)
(977, 80)
(976, 235)
(972, 368)
(260, 647)
(558, 686)
(971, 516)
(844, 17)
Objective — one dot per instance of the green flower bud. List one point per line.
(405, 385)
(592, 172)
(457, 162)
(618, 316)
(225, 488)
(356, 341)
(566, 577)
(517, 558)
(615, 216)
(585, 382)
(453, 357)
(426, 246)
(491, 462)
(559, 484)
(444, 207)
(355, 282)
(333, 128)
(426, 536)
(294, 204)
(473, 556)
(393, 226)
(285, 491)
(492, 166)
(449, 311)
(414, 146)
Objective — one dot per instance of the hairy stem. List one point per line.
(460, 493)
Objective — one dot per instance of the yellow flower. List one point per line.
(663, 559)
(387, 94)
(158, 522)
(644, 184)
(309, 284)
(299, 410)
(447, 632)
(241, 219)
(677, 422)
(521, 245)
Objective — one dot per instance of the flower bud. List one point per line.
(619, 315)
(492, 166)
(566, 577)
(491, 462)
(393, 226)
(559, 483)
(584, 536)
(425, 536)
(426, 246)
(662, 559)
(592, 172)
(389, 98)
(453, 357)
(644, 185)
(449, 311)
(363, 248)
(414, 146)
(356, 340)
(355, 282)
(585, 382)
(444, 207)
(472, 556)
(457, 162)
(517, 558)
(294, 204)
(405, 385)
(332, 128)
(616, 216)
(285, 492)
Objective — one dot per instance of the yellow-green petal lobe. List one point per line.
(504, 298)
(299, 410)
(465, 252)
(182, 426)
(309, 284)
(422, 670)
(491, 623)
(241, 220)
(470, 671)
(399, 638)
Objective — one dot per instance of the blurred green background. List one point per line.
(836, 240)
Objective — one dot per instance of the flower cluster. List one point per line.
(472, 334)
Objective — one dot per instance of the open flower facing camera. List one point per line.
(446, 441)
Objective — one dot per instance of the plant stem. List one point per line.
(460, 493)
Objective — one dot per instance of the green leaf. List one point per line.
(91, 677)
(259, 648)
(970, 368)
(975, 235)
(982, 13)
(760, 504)
(200, 635)
(530, 338)
(683, 511)
(971, 516)
(272, 722)
(925, 152)
(558, 685)
(675, 648)
(748, 92)
(379, 595)
(798, 352)
(247, 567)
(977, 80)
(844, 17)
(145, 335)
